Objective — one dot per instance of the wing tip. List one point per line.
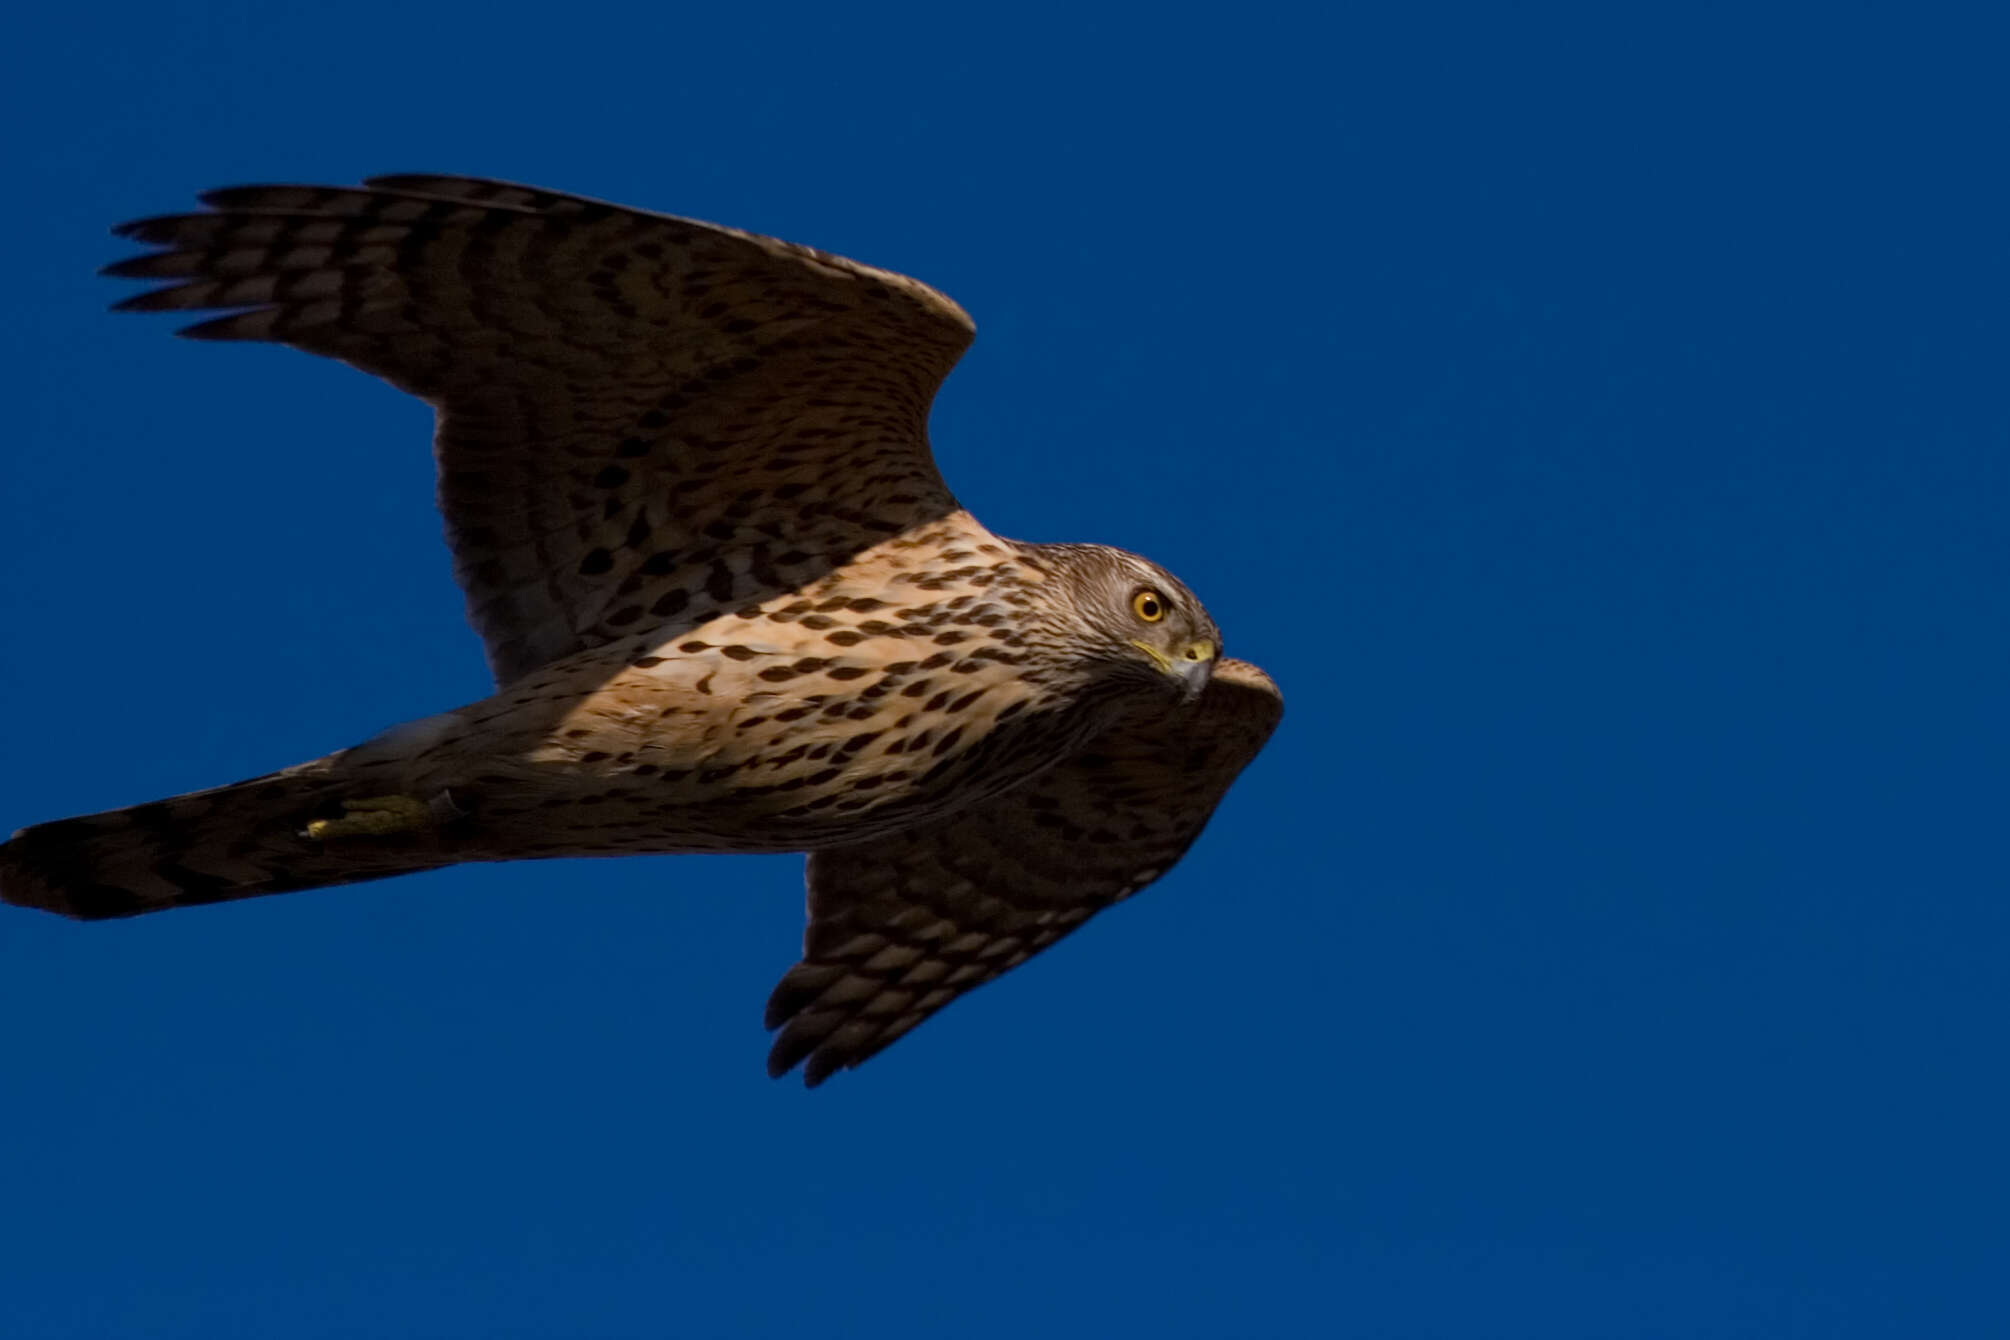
(247, 323)
(792, 1049)
(156, 229)
(258, 195)
(132, 267)
(411, 181)
(254, 324)
(1252, 691)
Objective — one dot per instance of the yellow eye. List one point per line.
(1149, 606)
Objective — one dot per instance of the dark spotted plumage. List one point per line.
(729, 603)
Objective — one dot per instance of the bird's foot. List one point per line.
(374, 816)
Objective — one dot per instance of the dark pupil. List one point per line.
(1150, 607)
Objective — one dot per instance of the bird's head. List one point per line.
(1136, 620)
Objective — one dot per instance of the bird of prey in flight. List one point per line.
(729, 603)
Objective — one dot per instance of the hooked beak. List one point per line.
(1192, 667)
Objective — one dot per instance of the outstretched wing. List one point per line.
(901, 926)
(643, 420)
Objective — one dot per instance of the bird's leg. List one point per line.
(374, 816)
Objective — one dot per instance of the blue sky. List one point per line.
(1593, 418)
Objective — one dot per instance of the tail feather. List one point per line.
(236, 841)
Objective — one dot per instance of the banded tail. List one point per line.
(236, 841)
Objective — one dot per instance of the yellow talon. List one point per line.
(374, 816)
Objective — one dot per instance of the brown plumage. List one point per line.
(729, 603)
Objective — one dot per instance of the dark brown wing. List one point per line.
(642, 419)
(901, 926)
